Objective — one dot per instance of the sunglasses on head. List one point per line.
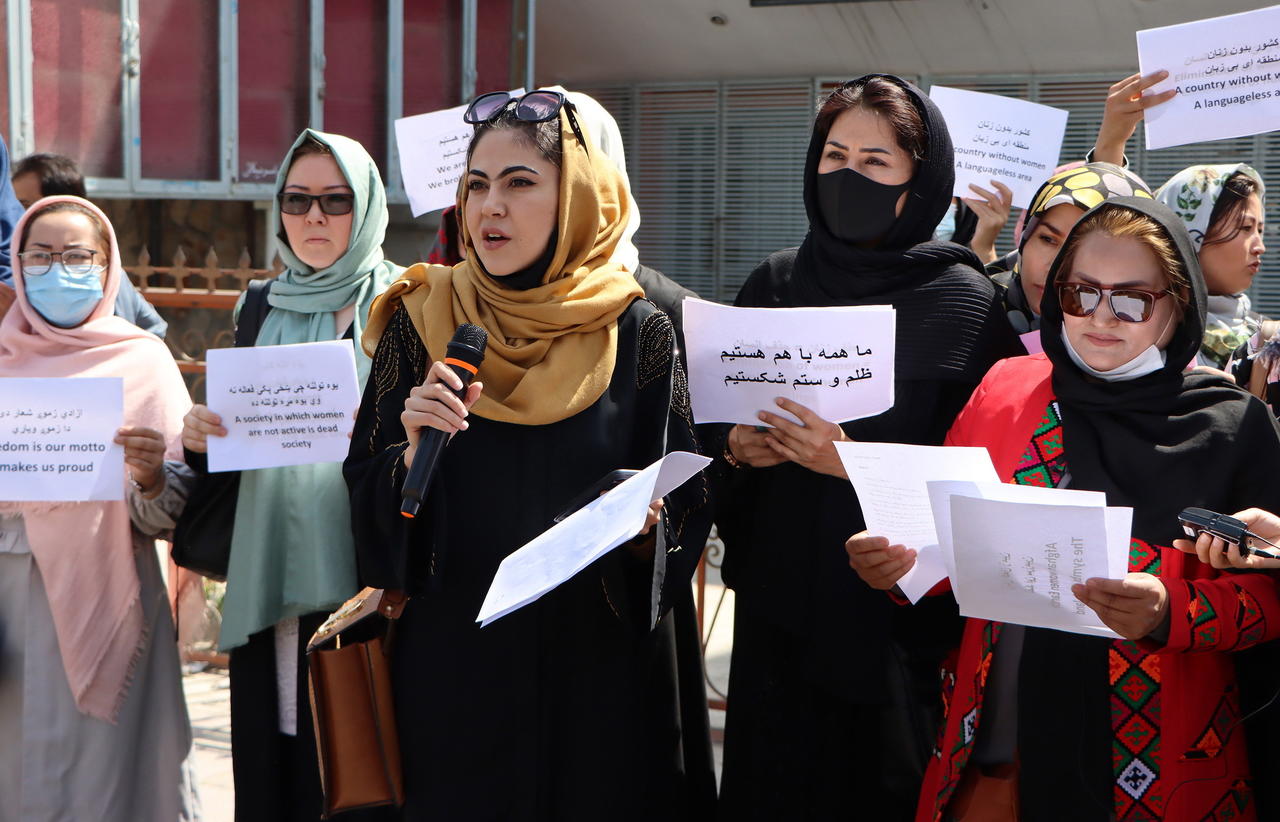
(1130, 305)
(533, 107)
(297, 203)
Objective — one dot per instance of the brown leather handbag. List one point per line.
(351, 703)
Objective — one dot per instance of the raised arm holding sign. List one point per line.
(1226, 71)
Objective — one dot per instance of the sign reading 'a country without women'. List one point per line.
(1001, 138)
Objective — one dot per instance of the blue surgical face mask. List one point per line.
(63, 298)
(947, 228)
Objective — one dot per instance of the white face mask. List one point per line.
(1151, 360)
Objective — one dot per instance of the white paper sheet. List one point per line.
(838, 362)
(892, 484)
(559, 554)
(1227, 72)
(1031, 342)
(1001, 138)
(1016, 559)
(282, 404)
(56, 439)
(940, 493)
(433, 152)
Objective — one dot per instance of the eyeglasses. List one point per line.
(533, 107)
(297, 203)
(1130, 305)
(75, 260)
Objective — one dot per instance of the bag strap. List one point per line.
(253, 312)
(392, 604)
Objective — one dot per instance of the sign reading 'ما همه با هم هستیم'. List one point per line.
(836, 361)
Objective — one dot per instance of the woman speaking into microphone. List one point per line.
(554, 711)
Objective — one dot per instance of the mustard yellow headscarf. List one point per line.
(551, 348)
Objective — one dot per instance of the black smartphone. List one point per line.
(1196, 521)
(605, 483)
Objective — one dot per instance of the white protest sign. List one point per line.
(1226, 71)
(586, 535)
(282, 404)
(56, 439)
(1016, 561)
(1001, 138)
(892, 484)
(433, 152)
(837, 361)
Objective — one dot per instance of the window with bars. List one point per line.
(717, 168)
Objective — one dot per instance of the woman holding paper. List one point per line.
(813, 733)
(1056, 725)
(292, 559)
(91, 705)
(565, 709)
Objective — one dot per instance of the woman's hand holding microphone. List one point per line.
(434, 404)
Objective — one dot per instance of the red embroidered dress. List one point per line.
(1177, 750)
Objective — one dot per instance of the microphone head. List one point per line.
(468, 343)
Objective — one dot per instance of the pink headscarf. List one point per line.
(84, 550)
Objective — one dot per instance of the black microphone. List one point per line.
(464, 355)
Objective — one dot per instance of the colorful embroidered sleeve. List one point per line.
(1226, 613)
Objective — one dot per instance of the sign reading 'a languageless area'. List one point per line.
(837, 362)
(433, 155)
(57, 440)
(1001, 138)
(282, 404)
(1226, 71)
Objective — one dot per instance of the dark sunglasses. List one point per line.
(1130, 305)
(534, 107)
(297, 203)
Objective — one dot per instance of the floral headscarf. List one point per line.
(1193, 192)
(1086, 186)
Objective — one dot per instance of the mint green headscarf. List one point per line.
(291, 550)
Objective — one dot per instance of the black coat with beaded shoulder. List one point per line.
(568, 708)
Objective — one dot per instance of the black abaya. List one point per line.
(566, 709)
(832, 688)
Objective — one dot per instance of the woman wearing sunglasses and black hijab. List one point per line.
(831, 691)
(292, 559)
(1045, 724)
(558, 710)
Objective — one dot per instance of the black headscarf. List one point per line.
(1158, 443)
(966, 223)
(908, 269)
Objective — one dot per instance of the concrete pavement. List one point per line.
(208, 702)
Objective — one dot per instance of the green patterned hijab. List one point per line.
(1193, 192)
(291, 550)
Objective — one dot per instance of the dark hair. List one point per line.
(309, 146)
(104, 233)
(1228, 212)
(544, 136)
(883, 97)
(57, 174)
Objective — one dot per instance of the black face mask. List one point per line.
(856, 208)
